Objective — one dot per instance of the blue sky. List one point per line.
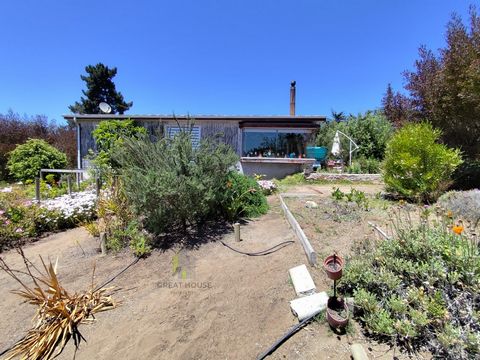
(215, 57)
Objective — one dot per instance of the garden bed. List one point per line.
(239, 309)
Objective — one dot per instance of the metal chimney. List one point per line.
(292, 98)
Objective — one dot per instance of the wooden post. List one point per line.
(236, 228)
(103, 243)
(69, 184)
(98, 184)
(37, 189)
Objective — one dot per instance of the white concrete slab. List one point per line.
(307, 306)
(302, 281)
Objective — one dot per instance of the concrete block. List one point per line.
(302, 281)
(358, 352)
(307, 306)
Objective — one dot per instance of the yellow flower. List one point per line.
(450, 214)
(457, 229)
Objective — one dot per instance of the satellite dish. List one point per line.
(105, 108)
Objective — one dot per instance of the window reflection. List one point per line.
(274, 143)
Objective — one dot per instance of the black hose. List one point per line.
(287, 335)
(120, 273)
(263, 252)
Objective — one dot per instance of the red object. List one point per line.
(334, 307)
(333, 266)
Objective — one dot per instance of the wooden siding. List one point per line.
(228, 133)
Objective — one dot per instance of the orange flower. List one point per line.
(457, 229)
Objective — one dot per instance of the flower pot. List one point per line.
(333, 266)
(337, 313)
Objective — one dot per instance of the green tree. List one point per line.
(100, 88)
(111, 134)
(416, 166)
(370, 131)
(26, 160)
(445, 86)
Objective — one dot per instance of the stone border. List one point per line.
(375, 178)
(311, 254)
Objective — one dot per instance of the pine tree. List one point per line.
(100, 88)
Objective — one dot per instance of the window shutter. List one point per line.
(194, 133)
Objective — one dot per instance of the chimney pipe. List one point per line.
(292, 98)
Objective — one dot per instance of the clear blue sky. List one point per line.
(215, 57)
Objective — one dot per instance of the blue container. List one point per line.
(318, 153)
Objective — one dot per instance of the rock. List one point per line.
(311, 204)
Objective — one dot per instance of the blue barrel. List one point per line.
(318, 153)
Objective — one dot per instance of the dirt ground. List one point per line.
(230, 306)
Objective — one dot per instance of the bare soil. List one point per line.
(229, 306)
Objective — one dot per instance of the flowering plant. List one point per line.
(267, 186)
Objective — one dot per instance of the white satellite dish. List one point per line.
(105, 108)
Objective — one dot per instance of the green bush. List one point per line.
(419, 289)
(171, 184)
(416, 166)
(26, 160)
(467, 176)
(242, 197)
(370, 131)
(109, 135)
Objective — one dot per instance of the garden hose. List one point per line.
(261, 253)
(287, 335)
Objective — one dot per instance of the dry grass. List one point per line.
(59, 313)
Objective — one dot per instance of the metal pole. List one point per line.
(37, 189)
(350, 155)
(69, 184)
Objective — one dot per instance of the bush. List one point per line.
(26, 160)
(463, 204)
(420, 289)
(467, 176)
(416, 166)
(16, 129)
(242, 197)
(363, 165)
(109, 135)
(170, 183)
(370, 131)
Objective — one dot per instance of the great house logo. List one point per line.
(183, 273)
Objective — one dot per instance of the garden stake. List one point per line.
(236, 228)
(37, 189)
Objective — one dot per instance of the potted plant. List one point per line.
(333, 266)
(337, 312)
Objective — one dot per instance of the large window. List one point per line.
(275, 143)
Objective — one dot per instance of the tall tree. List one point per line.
(445, 88)
(100, 88)
(398, 108)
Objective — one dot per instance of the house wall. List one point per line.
(227, 132)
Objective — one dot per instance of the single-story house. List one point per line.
(273, 145)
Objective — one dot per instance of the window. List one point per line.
(195, 132)
(275, 143)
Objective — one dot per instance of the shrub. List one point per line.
(170, 183)
(242, 197)
(110, 134)
(463, 204)
(26, 160)
(467, 176)
(370, 131)
(419, 289)
(416, 166)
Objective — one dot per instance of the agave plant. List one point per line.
(59, 313)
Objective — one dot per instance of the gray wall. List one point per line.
(226, 131)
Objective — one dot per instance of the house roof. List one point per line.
(240, 118)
